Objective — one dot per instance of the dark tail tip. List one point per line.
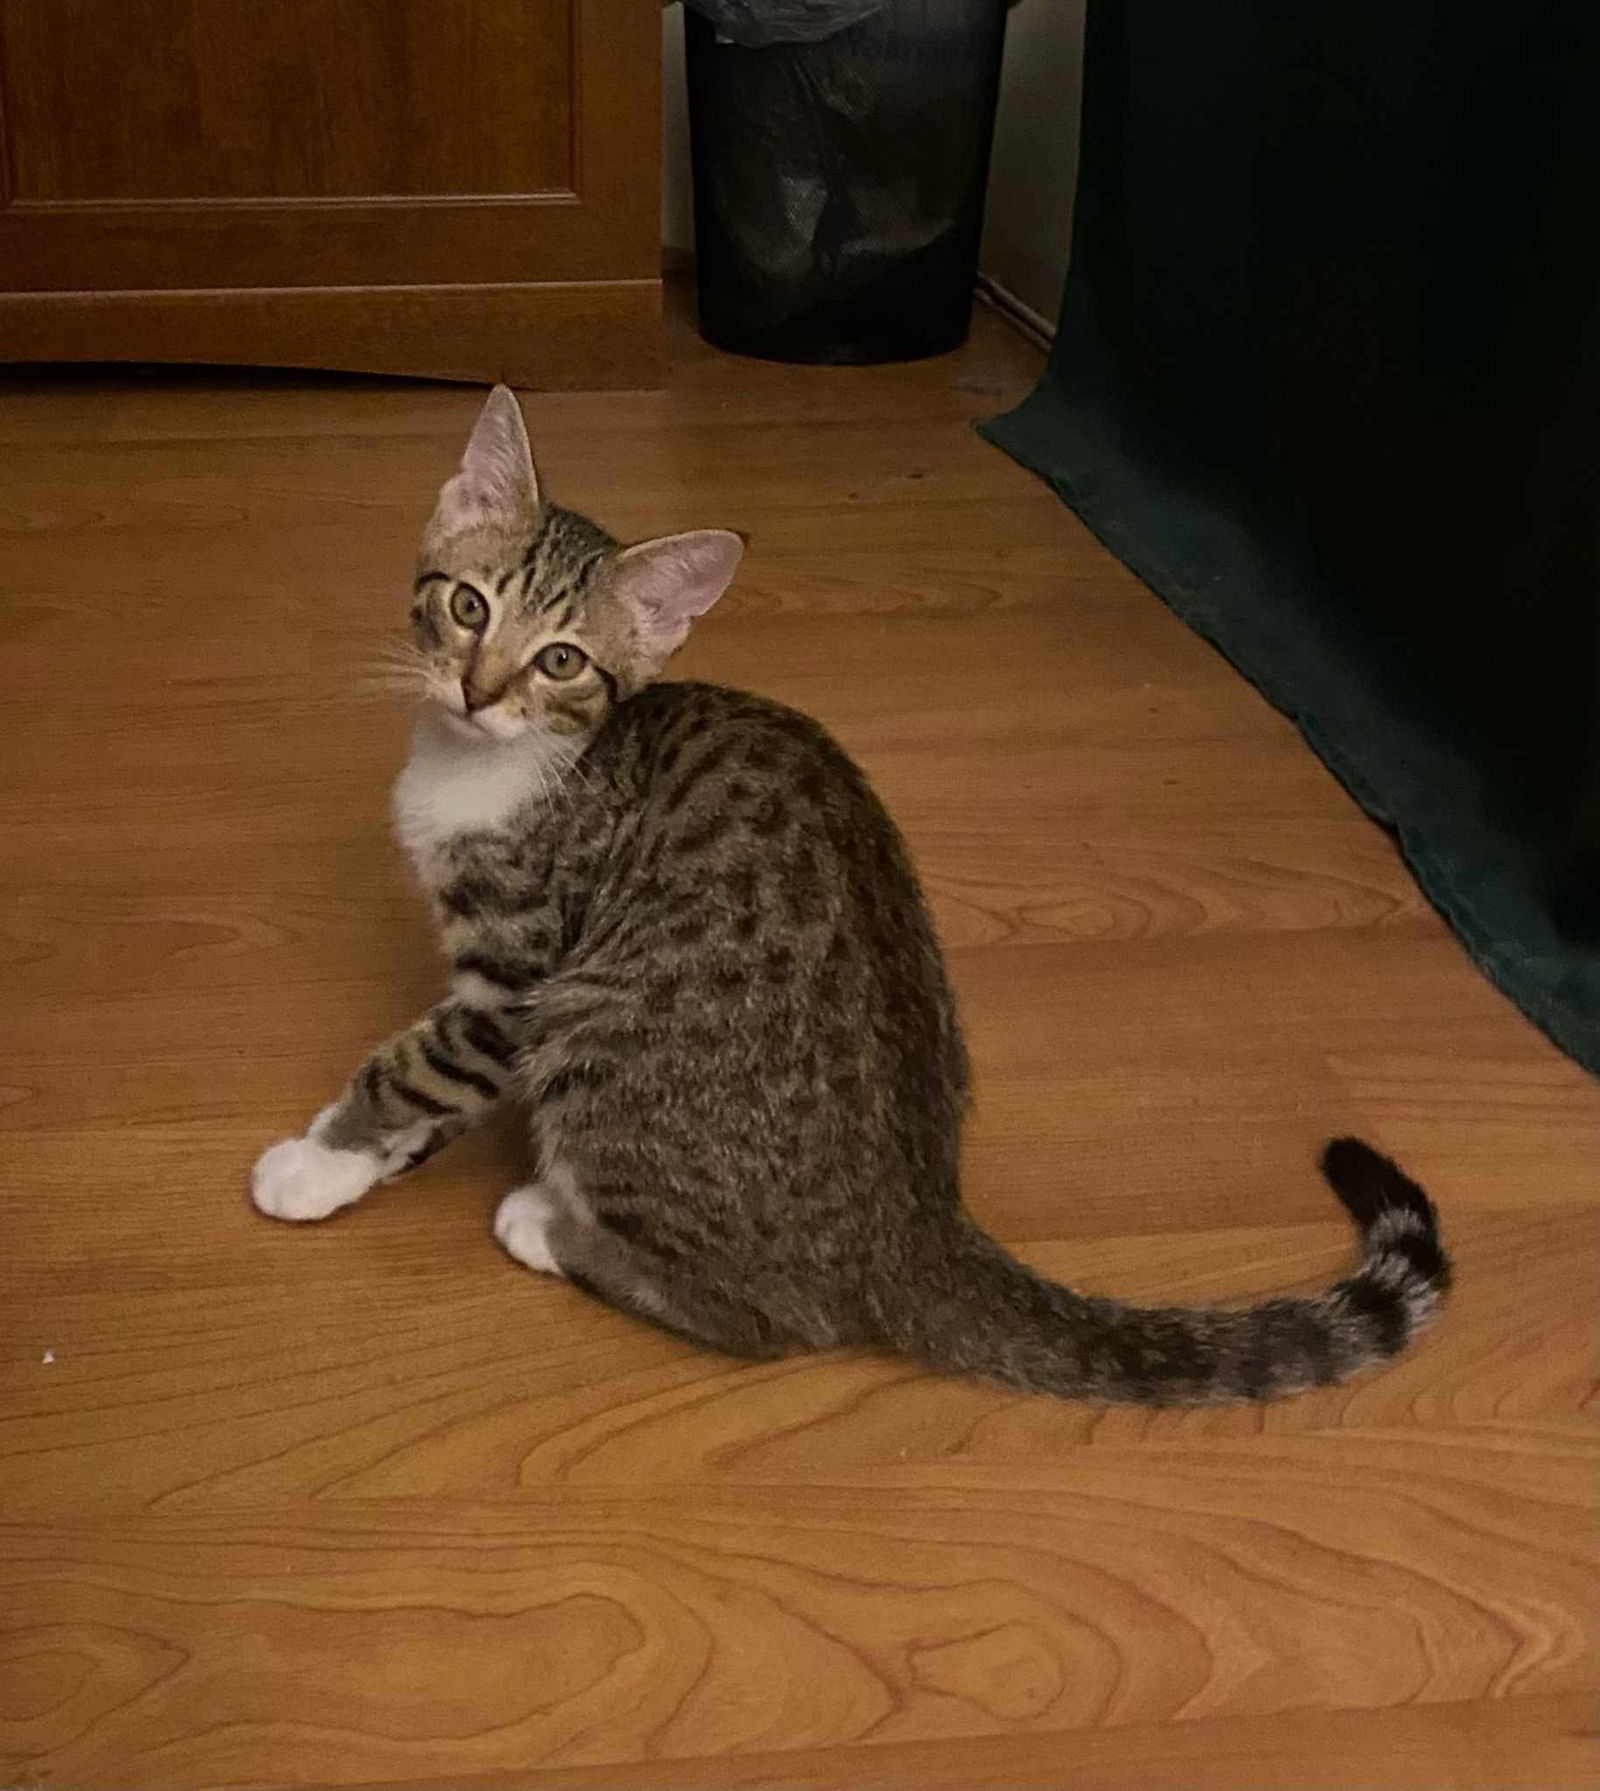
(1371, 1186)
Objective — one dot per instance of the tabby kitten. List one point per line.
(685, 935)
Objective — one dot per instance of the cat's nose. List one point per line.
(487, 678)
(476, 695)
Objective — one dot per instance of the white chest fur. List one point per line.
(453, 784)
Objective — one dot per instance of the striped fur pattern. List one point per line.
(686, 937)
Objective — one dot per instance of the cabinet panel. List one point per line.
(428, 164)
(211, 99)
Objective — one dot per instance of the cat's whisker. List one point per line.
(394, 670)
(549, 783)
(397, 672)
(379, 684)
(388, 698)
(576, 771)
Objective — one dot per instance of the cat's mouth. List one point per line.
(480, 725)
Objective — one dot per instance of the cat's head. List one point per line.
(528, 618)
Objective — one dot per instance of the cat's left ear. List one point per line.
(668, 582)
(496, 487)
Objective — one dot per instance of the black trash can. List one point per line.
(839, 183)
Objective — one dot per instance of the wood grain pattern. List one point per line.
(335, 99)
(1536, 1744)
(401, 188)
(367, 1505)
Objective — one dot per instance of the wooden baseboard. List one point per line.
(554, 337)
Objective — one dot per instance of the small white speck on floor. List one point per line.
(48, 1356)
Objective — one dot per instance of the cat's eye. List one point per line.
(561, 662)
(469, 607)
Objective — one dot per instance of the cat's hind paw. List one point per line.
(522, 1227)
(301, 1179)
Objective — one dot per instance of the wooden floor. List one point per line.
(367, 1505)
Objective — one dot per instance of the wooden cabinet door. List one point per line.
(462, 188)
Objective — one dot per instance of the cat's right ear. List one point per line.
(496, 487)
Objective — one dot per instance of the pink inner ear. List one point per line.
(669, 582)
(471, 500)
(497, 485)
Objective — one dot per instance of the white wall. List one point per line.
(677, 208)
(1035, 165)
(1035, 150)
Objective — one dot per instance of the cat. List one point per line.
(686, 937)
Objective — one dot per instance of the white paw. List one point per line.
(301, 1179)
(522, 1224)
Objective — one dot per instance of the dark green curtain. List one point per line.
(1326, 378)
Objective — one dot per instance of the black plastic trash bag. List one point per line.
(757, 22)
(839, 182)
